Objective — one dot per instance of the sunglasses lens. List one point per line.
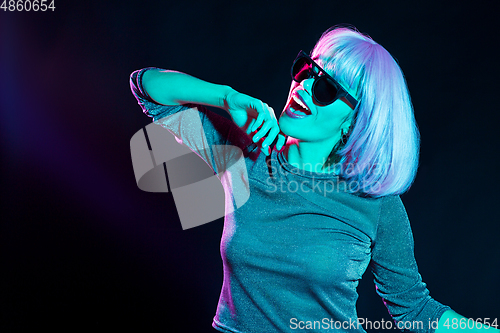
(325, 91)
(301, 69)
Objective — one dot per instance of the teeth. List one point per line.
(296, 99)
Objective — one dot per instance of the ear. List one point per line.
(346, 125)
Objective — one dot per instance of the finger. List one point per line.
(271, 136)
(258, 122)
(265, 112)
(281, 142)
(262, 132)
(267, 151)
(249, 127)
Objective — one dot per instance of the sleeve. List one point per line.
(211, 136)
(396, 274)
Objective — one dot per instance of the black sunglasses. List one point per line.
(325, 89)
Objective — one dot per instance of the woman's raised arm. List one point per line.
(169, 87)
(174, 88)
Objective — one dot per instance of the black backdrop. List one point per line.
(83, 247)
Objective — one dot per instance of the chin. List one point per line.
(289, 128)
(285, 126)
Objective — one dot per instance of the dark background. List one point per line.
(83, 247)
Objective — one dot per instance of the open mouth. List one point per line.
(298, 108)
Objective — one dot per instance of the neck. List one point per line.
(308, 156)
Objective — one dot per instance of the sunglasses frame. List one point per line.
(341, 92)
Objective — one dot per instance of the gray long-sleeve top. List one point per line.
(294, 253)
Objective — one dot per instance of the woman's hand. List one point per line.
(254, 116)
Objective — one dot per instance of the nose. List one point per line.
(307, 85)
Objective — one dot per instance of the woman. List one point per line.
(323, 205)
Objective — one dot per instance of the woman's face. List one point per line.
(304, 119)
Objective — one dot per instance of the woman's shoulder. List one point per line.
(393, 218)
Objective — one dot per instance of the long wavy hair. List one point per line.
(380, 154)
